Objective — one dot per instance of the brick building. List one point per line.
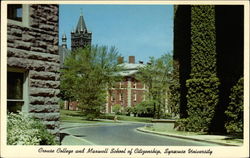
(33, 62)
(128, 92)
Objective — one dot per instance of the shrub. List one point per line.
(174, 98)
(234, 112)
(203, 38)
(61, 103)
(117, 109)
(166, 116)
(140, 109)
(108, 117)
(180, 124)
(202, 99)
(22, 129)
(129, 110)
(90, 116)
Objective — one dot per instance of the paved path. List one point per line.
(121, 134)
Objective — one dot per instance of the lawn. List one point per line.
(78, 117)
(169, 128)
(73, 116)
(127, 118)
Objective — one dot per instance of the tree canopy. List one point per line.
(156, 75)
(87, 76)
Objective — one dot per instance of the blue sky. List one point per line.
(139, 30)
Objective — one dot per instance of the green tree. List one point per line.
(144, 108)
(117, 109)
(88, 75)
(174, 91)
(156, 77)
(234, 112)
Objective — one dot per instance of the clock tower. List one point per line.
(80, 37)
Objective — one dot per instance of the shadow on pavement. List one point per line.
(62, 135)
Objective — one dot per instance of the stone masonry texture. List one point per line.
(35, 49)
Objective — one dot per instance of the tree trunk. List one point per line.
(68, 103)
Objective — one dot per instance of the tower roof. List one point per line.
(64, 36)
(81, 24)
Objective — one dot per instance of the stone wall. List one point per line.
(35, 49)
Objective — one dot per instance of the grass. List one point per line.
(169, 128)
(127, 118)
(72, 116)
(78, 117)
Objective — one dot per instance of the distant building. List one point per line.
(33, 62)
(80, 37)
(63, 50)
(128, 92)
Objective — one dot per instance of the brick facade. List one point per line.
(129, 92)
(32, 46)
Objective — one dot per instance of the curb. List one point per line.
(84, 142)
(99, 124)
(183, 137)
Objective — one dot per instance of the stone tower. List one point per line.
(80, 37)
(64, 41)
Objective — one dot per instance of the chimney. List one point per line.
(131, 59)
(120, 60)
(140, 62)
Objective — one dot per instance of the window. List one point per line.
(15, 12)
(16, 91)
(18, 14)
(121, 96)
(135, 97)
(112, 97)
(134, 84)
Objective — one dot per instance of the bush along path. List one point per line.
(22, 129)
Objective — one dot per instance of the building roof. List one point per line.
(64, 36)
(81, 24)
(129, 69)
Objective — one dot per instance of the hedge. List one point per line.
(234, 112)
(203, 39)
(202, 99)
(203, 85)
